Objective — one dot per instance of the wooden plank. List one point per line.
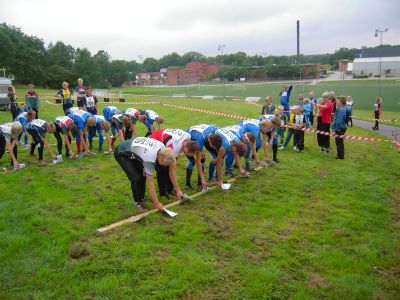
(175, 203)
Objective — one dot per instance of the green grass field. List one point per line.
(309, 228)
(363, 92)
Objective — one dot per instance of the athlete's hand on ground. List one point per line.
(204, 183)
(55, 157)
(15, 164)
(220, 182)
(179, 194)
(159, 206)
(71, 154)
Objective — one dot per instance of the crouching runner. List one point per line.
(38, 128)
(247, 138)
(100, 125)
(63, 125)
(9, 133)
(230, 146)
(275, 123)
(138, 158)
(179, 141)
(200, 133)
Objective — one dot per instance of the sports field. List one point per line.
(362, 91)
(311, 227)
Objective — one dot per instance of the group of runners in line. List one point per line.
(141, 157)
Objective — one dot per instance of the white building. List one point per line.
(370, 66)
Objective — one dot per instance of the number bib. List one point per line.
(38, 122)
(151, 114)
(145, 143)
(132, 112)
(90, 102)
(80, 112)
(64, 121)
(200, 128)
(227, 134)
(234, 128)
(268, 117)
(251, 121)
(174, 133)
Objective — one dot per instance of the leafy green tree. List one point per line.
(86, 67)
(60, 54)
(56, 74)
(172, 59)
(151, 65)
(118, 73)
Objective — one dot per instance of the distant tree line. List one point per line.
(29, 60)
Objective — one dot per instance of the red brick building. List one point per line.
(192, 73)
(152, 78)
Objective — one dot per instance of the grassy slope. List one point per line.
(311, 227)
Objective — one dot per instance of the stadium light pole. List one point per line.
(221, 48)
(380, 32)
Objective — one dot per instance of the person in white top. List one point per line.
(138, 158)
(9, 133)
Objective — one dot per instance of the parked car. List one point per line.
(4, 84)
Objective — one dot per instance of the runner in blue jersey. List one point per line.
(200, 134)
(38, 128)
(101, 124)
(63, 125)
(23, 119)
(272, 137)
(151, 117)
(230, 146)
(109, 111)
(259, 129)
(247, 138)
(82, 119)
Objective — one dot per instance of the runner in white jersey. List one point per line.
(151, 117)
(63, 125)
(179, 141)
(9, 133)
(138, 158)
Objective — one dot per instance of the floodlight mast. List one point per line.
(221, 48)
(380, 32)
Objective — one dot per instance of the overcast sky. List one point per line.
(152, 28)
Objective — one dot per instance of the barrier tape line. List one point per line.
(347, 137)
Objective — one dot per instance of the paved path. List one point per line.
(385, 130)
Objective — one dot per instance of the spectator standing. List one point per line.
(285, 97)
(80, 91)
(377, 112)
(349, 105)
(12, 102)
(65, 96)
(313, 102)
(299, 124)
(306, 109)
(324, 122)
(32, 100)
(269, 108)
(340, 125)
